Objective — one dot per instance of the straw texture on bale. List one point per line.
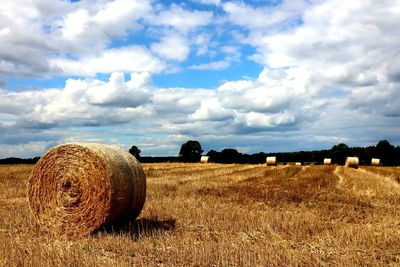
(76, 189)
(271, 161)
(375, 162)
(352, 162)
(327, 161)
(204, 159)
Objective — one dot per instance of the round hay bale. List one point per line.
(76, 189)
(204, 159)
(375, 162)
(271, 161)
(327, 161)
(352, 162)
(297, 163)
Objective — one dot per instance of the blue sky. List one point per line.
(250, 75)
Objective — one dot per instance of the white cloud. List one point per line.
(4, 31)
(263, 17)
(45, 38)
(215, 65)
(231, 54)
(179, 101)
(117, 16)
(232, 51)
(126, 59)
(181, 19)
(211, 110)
(101, 22)
(202, 42)
(172, 47)
(81, 102)
(209, 2)
(265, 94)
(30, 149)
(259, 120)
(342, 48)
(15, 103)
(331, 72)
(39, 33)
(75, 23)
(118, 93)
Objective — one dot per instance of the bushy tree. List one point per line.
(135, 151)
(230, 155)
(190, 151)
(386, 152)
(339, 153)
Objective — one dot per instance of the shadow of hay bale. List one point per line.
(139, 228)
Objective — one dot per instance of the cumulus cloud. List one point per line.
(39, 33)
(30, 149)
(14, 103)
(330, 71)
(116, 17)
(181, 19)
(118, 93)
(81, 102)
(260, 120)
(126, 59)
(212, 110)
(262, 18)
(172, 47)
(209, 2)
(338, 51)
(215, 65)
(75, 24)
(94, 26)
(177, 103)
(265, 94)
(202, 42)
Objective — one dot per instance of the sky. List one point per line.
(251, 75)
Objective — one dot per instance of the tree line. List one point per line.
(191, 151)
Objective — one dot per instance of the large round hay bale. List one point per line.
(352, 162)
(271, 161)
(375, 162)
(75, 189)
(327, 161)
(204, 159)
(297, 163)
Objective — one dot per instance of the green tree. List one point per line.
(135, 151)
(339, 153)
(386, 152)
(190, 151)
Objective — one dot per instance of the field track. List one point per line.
(226, 215)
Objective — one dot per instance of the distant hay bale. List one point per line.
(297, 164)
(271, 161)
(204, 159)
(352, 162)
(375, 162)
(327, 161)
(76, 189)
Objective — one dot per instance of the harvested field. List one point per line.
(225, 215)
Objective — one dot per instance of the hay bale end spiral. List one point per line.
(78, 188)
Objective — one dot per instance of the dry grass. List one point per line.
(226, 215)
(390, 172)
